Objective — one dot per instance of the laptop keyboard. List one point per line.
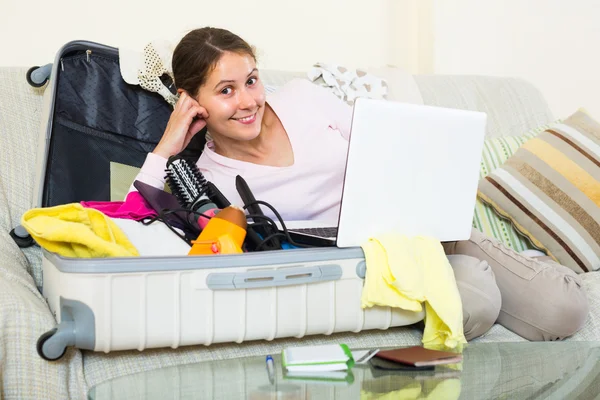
(325, 232)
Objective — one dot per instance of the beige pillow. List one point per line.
(496, 151)
(550, 190)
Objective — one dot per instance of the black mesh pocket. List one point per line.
(79, 162)
(98, 119)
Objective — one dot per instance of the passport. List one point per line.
(418, 356)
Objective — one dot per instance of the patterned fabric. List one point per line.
(550, 189)
(152, 71)
(495, 152)
(146, 68)
(348, 84)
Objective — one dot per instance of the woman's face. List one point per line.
(234, 98)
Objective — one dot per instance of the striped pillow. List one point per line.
(550, 189)
(496, 151)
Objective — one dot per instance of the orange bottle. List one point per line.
(224, 233)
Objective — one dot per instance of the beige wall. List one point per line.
(289, 35)
(552, 43)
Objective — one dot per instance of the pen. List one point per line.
(271, 369)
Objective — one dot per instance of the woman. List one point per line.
(291, 149)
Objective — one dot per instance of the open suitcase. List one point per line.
(94, 120)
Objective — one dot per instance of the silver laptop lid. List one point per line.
(412, 170)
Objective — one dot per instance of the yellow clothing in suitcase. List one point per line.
(404, 272)
(72, 230)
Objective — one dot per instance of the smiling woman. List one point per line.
(216, 75)
(291, 148)
(251, 135)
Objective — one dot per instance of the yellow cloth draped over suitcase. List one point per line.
(405, 272)
(72, 230)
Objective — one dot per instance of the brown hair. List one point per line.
(199, 52)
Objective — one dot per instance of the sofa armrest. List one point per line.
(24, 316)
(20, 113)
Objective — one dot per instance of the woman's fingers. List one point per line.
(188, 118)
(180, 101)
(195, 111)
(202, 112)
(189, 104)
(197, 116)
(196, 126)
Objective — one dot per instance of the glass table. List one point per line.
(521, 370)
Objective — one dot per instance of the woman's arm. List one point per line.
(187, 119)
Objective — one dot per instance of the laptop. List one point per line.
(411, 169)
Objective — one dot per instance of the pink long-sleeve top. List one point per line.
(318, 127)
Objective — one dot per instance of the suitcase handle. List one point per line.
(274, 277)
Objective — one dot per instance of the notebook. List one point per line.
(334, 357)
(419, 356)
(422, 182)
(327, 377)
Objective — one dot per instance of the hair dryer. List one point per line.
(223, 234)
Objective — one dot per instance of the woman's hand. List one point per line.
(187, 119)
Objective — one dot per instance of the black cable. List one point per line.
(269, 237)
(164, 212)
(267, 220)
(268, 226)
(285, 233)
(278, 216)
(160, 218)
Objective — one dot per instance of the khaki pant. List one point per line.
(536, 298)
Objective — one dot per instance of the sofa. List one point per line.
(513, 107)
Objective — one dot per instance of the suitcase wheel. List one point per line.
(21, 237)
(38, 76)
(49, 349)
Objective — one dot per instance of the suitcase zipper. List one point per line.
(88, 52)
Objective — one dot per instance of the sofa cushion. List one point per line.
(550, 189)
(495, 153)
(513, 106)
